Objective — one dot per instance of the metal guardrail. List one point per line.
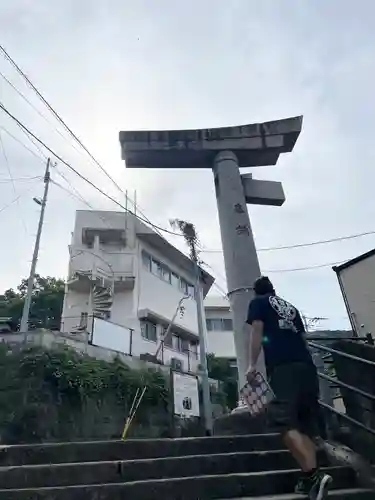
(339, 383)
(347, 418)
(340, 353)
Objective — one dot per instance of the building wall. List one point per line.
(220, 338)
(163, 297)
(150, 292)
(358, 282)
(74, 305)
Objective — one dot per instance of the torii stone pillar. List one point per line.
(225, 151)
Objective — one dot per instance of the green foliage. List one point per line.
(77, 378)
(46, 304)
(221, 369)
(63, 395)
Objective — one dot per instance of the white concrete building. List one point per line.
(125, 282)
(219, 322)
(357, 284)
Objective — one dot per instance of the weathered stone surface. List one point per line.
(203, 487)
(96, 451)
(34, 476)
(241, 423)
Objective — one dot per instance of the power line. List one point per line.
(63, 123)
(307, 268)
(19, 179)
(300, 245)
(11, 178)
(58, 117)
(38, 111)
(11, 203)
(58, 157)
(21, 143)
(77, 196)
(15, 200)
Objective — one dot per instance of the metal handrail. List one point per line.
(346, 417)
(339, 383)
(341, 353)
(347, 386)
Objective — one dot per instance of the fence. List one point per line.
(346, 368)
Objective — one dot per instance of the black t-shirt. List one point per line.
(283, 330)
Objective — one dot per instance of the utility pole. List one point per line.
(26, 308)
(207, 408)
(169, 328)
(188, 231)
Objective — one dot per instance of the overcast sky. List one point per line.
(114, 65)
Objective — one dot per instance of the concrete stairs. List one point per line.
(182, 469)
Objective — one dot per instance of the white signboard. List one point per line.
(111, 336)
(186, 395)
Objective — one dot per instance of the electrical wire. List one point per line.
(39, 112)
(19, 179)
(7, 164)
(15, 200)
(57, 116)
(74, 136)
(22, 144)
(301, 245)
(78, 197)
(307, 268)
(64, 162)
(36, 145)
(11, 203)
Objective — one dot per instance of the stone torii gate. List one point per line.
(225, 151)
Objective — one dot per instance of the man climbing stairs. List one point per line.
(255, 466)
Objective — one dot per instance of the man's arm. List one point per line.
(256, 337)
(255, 320)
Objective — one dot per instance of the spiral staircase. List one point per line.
(102, 298)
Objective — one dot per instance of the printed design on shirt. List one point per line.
(287, 312)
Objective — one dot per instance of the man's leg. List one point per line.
(291, 385)
(314, 482)
(284, 414)
(302, 448)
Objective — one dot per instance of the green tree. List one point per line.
(46, 303)
(222, 370)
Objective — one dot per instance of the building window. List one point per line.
(148, 331)
(146, 261)
(162, 271)
(175, 280)
(176, 342)
(194, 349)
(166, 274)
(184, 286)
(156, 268)
(227, 324)
(219, 324)
(184, 346)
(167, 341)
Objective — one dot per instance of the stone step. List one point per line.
(35, 476)
(188, 488)
(349, 494)
(95, 451)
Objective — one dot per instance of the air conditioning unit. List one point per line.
(177, 364)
